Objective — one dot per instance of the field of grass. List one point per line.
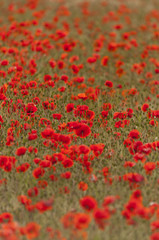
(79, 114)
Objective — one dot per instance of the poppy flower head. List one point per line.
(145, 107)
(47, 133)
(31, 109)
(31, 230)
(82, 220)
(21, 151)
(134, 134)
(108, 84)
(69, 107)
(67, 163)
(82, 130)
(88, 203)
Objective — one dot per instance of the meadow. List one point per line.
(79, 114)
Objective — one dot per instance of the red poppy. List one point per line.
(6, 217)
(47, 77)
(88, 203)
(68, 219)
(31, 109)
(70, 107)
(44, 205)
(82, 130)
(65, 139)
(82, 96)
(4, 63)
(109, 200)
(82, 220)
(155, 225)
(154, 236)
(66, 175)
(64, 78)
(145, 107)
(32, 135)
(57, 116)
(38, 172)
(7, 167)
(75, 69)
(67, 163)
(84, 149)
(104, 61)
(21, 151)
(52, 63)
(47, 133)
(24, 200)
(134, 134)
(108, 84)
(101, 216)
(31, 230)
(149, 167)
(33, 192)
(45, 164)
(83, 186)
(42, 184)
(23, 168)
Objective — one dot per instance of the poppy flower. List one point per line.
(33, 192)
(155, 225)
(153, 123)
(135, 177)
(82, 130)
(68, 219)
(42, 184)
(6, 217)
(82, 96)
(23, 168)
(134, 134)
(83, 186)
(108, 84)
(88, 203)
(101, 216)
(154, 236)
(31, 109)
(21, 151)
(66, 175)
(67, 163)
(44, 205)
(32, 136)
(91, 60)
(7, 167)
(36, 100)
(104, 114)
(84, 149)
(149, 167)
(47, 133)
(24, 200)
(145, 107)
(109, 200)
(75, 69)
(90, 115)
(70, 107)
(3, 161)
(65, 139)
(52, 63)
(57, 116)
(31, 230)
(53, 177)
(4, 63)
(105, 60)
(82, 220)
(38, 172)
(45, 164)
